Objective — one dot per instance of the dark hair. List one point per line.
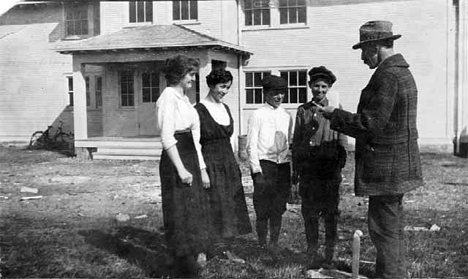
(177, 67)
(217, 77)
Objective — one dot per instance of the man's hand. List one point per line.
(327, 111)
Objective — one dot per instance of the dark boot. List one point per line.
(331, 233)
(262, 230)
(314, 260)
(275, 229)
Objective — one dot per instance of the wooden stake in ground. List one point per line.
(356, 252)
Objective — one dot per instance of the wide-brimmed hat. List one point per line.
(376, 30)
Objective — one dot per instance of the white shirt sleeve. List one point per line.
(252, 143)
(166, 109)
(196, 139)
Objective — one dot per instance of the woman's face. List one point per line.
(319, 89)
(220, 90)
(188, 80)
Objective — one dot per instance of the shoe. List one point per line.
(314, 261)
(328, 264)
(233, 257)
(201, 260)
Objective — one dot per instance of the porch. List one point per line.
(120, 148)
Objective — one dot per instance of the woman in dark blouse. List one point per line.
(229, 210)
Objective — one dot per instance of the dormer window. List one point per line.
(82, 20)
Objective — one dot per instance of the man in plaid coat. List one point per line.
(387, 153)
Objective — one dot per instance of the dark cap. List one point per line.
(274, 83)
(321, 71)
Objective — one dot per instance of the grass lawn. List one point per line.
(72, 230)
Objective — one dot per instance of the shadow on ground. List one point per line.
(139, 247)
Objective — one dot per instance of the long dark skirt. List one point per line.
(186, 209)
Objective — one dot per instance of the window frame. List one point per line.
(192, 7)
(98, 91)
(250, 10)
(257, 88)
(88, 91)
(288, 9)
(147, 18)
(69, 87)
(130, 96)
(153, 90)
(91, 18)
(296, 86)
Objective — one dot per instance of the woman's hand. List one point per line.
(205, 178)
(186, 177)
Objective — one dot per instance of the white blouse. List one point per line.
(217, 111)
(174, 113)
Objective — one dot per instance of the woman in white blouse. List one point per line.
(184, 180)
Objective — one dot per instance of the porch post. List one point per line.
(79, 99)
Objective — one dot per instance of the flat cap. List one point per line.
(321, 71)
(273, 82)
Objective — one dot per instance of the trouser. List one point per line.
(320, 198)
(386, 222)
(270, 199)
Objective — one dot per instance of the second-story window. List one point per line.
(292, 11)
(140, 11)
(76, 20)
(297, 86)
(184, 10)
(257, 12)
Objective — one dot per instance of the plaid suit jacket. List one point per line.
(387, 151)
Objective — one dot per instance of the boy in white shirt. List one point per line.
(268, 139)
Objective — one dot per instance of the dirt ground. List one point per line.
(103, 219)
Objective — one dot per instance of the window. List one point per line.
(70, 90)
(97, 18)
(140, 11)
(257, 12)
(150, 86)
(253, 87)
(88, 93)
(184, 10)
(76, 20)
(292, 11)
(126, 89)
(297, 86)
(98, 92)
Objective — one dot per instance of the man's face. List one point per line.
(274, 98)
(370, 56)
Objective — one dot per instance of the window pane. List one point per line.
(70, 84)
(292, 15)
(154, 94)
(149, 11)
(155, 79)
(97, 18)
(176, 10)
(283, 3)
(185, 11)
(302, 15)
(284, 75)
(293, 97)
(248, 18)
(303, 78)
(248, 4)
(132, 11)
(249, 97)
(146, 95)
(140, 11)
(193, 9)
(283, 16)
(248, 79)
(84, 27)
(286, 98)
(293, 78)
(88, 93)
(258, 79)
(302, 95)
(301, 2)
(258, 96)
(257, 16)
(266, 17)
(145, 79)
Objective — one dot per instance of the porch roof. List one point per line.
(148, 37)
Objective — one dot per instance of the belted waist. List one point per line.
(188, 130)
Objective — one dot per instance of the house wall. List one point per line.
(333, 27)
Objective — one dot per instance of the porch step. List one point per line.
(97, 156)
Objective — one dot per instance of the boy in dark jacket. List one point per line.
(319, 154)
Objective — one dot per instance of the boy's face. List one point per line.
(274, 98)
(319, 88)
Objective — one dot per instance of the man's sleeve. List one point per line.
(373, 117)
(252, 143)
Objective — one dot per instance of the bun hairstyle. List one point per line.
(217, 77)
(322, 72)
(177, 67)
